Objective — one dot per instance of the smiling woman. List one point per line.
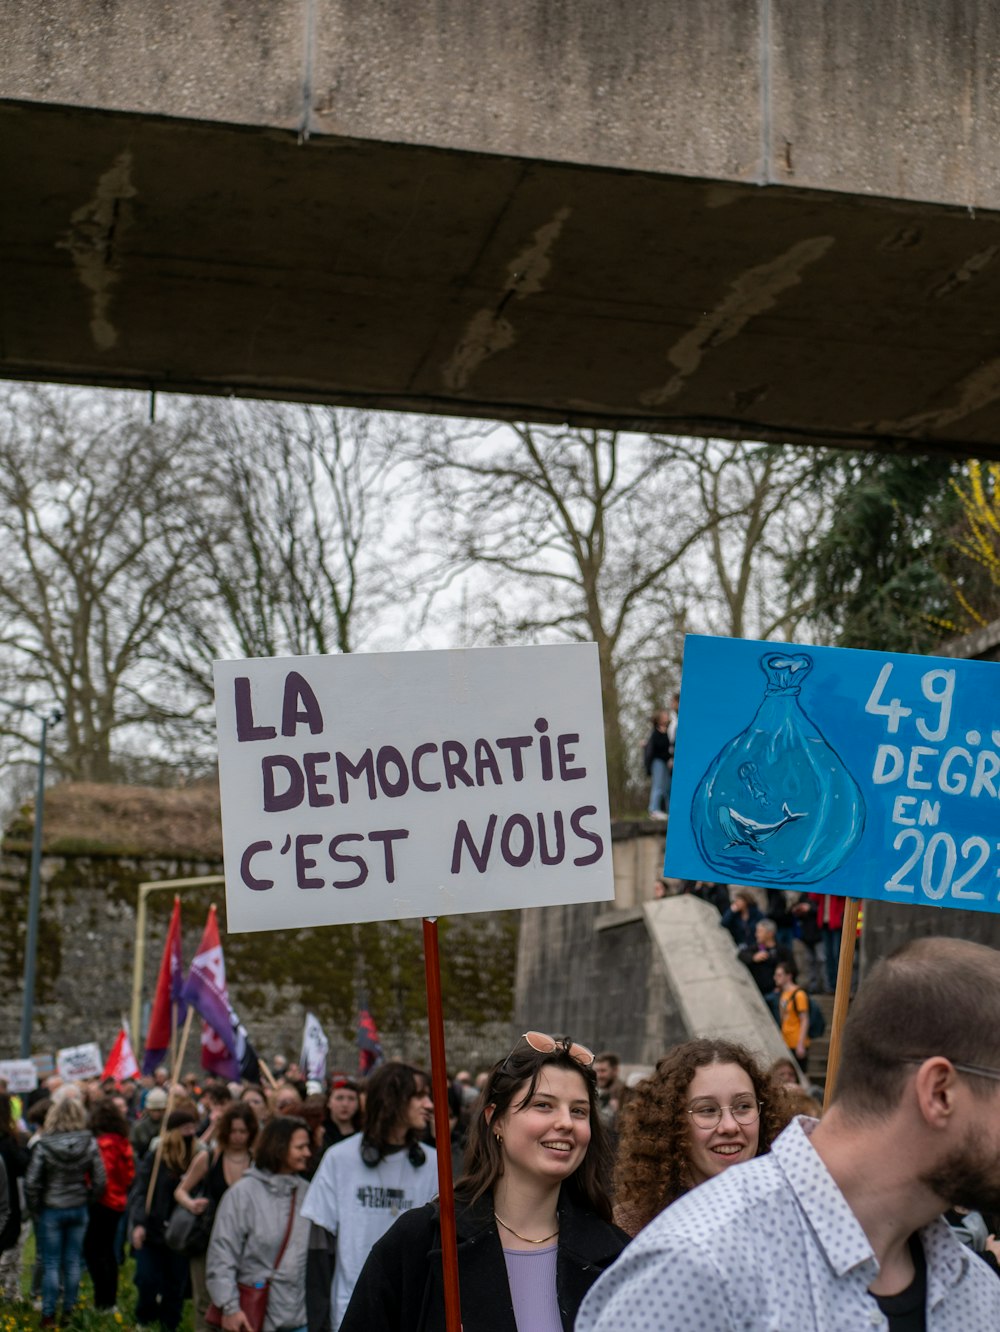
(533, 1212)
(707, 1106)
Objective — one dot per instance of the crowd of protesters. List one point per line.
(708, 1193)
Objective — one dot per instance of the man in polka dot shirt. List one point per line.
(839, 1227)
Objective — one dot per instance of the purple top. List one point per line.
(532, 1278)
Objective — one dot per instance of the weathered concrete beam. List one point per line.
(899, 99)
(778, 219)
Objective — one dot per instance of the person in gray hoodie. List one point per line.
(250, 1225)
(65, 1172)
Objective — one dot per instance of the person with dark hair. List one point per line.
(610, 1089)
(792, 1011)
(707, 1106)
(658, 759)
(343, 1117)
(211, 1102)
(259, 1222)
(14, 1155)
(840, 1226)
(313, 1111)
(211, 1172)
(533, 1210)
(110, 1128)
(362, 1185)
(161, 1275)
(741, 919)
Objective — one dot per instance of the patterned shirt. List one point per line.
(772, 1246)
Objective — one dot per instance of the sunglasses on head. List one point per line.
(544, 1044)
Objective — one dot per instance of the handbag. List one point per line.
(189, 1232)
(253, 1299)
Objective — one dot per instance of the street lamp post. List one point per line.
(35, 884)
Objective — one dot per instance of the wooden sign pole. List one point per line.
(442, 1129)
(175, 1073)
(842, 996)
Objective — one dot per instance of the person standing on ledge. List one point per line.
(658, 756)
(857, 1198)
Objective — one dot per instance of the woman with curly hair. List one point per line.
(708, 1106)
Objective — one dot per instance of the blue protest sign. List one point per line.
(866, 774)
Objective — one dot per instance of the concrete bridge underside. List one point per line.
(777, 219)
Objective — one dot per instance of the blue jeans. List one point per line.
(659, 791)
(60, 1233)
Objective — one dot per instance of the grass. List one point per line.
(22, 1316)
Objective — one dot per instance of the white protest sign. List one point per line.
(76, 1062)
(20, 1075)
(388, 785)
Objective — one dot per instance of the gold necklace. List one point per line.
(525, 1237)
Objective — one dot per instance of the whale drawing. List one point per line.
(742, 831)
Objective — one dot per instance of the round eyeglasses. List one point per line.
(744, 1112)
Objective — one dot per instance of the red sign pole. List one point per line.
(442, 1130)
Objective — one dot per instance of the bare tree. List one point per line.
(764, 503)
(290, 516)
(94, 549)
(580, 534)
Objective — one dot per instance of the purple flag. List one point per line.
(225, 1047)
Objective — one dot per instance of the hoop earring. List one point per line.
(498, 1137)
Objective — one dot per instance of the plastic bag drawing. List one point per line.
(777, 805)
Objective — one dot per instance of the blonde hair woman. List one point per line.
(64, 1173)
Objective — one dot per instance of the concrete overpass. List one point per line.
(774, 218)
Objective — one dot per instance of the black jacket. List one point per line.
(15, 1159)
(401, 1286)
(154, 1219)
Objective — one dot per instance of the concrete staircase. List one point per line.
(712, 992)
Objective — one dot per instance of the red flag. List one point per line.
(121, 1061)
(168, 992)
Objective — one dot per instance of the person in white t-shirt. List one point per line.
(363, 1184)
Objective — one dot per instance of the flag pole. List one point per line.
(442, 1129)
(842, 995)
(174, 1075)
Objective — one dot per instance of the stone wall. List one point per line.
(592, 970)
(87, 949)
(594, 973)
(888, 925)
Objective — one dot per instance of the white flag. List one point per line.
(314, 1050)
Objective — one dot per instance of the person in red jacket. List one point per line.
(110, 1127)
